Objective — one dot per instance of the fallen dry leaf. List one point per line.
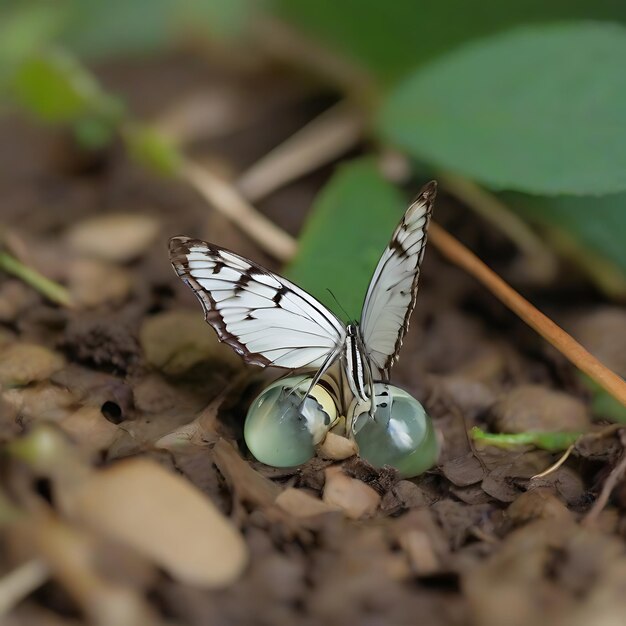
(94, 283)
(538, 503)
(175, 341)
(15, 297)
(90, 429)
(139, 503)
(118, 238)
(537, 408)
(25, 363)
(71, 557)
(299, 503)
(247, 484)
(42, 402)
(464, 470)
(423, 541)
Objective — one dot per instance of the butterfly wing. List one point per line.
(265, 318)
(393, 289)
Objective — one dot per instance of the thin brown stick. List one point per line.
(456, 252)
(21, 582)
(617, 473)
(555, 466)
(323, 139)
(226, 199)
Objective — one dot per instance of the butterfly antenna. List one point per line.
(339, 305)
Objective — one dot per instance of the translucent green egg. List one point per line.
(399, 434)
(280, 429)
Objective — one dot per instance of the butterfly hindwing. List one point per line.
(268, 320)
(393, 289)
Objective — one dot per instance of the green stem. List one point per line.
(48, 288)
(553, 442)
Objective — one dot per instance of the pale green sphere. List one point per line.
(400, 434)
(282, 431)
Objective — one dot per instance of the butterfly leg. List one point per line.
(330, 359)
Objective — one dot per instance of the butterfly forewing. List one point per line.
(268, 320)
(393, 289)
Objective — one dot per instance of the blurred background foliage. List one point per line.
(526, 99)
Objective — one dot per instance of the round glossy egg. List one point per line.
(399, 434)
(280, 429)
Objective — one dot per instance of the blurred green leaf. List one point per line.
(93, 133)
(391, 39)
(553, 442)
(348, 228)
(539, 109)
(603, 404)
(152, 149)
(224, 19)
(589, 230)
(117, 28)
(57, 89)
(25, 28)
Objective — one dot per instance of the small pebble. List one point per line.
(337, 448)
(356, 499)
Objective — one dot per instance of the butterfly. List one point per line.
(272, 322)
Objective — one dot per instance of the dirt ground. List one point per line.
(473, 541)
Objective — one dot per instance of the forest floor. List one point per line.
(476, 540)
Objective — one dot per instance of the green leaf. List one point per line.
(345, 235)
(25, 28)
(152, 149)
(603, 404)
(118, 28)
(540, 109)
(553, 442)
(57, 89)
(391, 39)
(123, 28)
(588, 230)
(225, 19)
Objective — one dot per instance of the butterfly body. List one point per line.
(270, 321)
(356, 364)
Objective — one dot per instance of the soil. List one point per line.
(475, 540)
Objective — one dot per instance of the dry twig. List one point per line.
(226, 199)
(555, 466)
(457, 253)
(21, 582)
(325, 138)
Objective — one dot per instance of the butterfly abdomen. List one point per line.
(354, 363)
